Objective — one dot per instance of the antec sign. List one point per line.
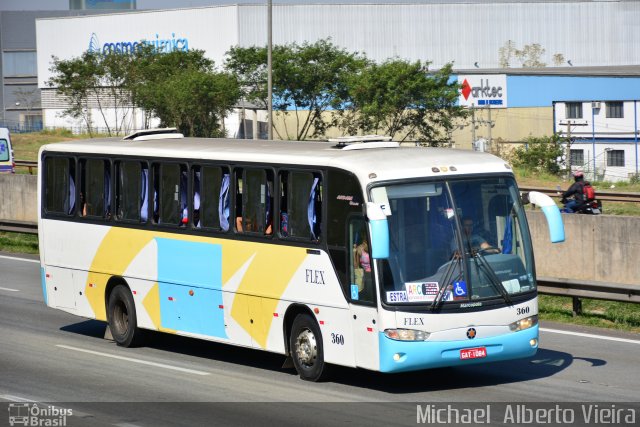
(483, 90)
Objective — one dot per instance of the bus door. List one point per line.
(363, 296)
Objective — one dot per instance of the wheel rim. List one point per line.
(306, 348)
(120, 318)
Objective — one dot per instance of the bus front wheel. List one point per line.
(306, 348)
(121, 316)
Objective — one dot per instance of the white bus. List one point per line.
(328, 253)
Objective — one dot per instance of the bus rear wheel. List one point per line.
(305, 344)
(121, 316)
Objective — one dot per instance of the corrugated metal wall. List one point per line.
(595, 33)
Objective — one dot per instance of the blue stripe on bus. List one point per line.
(190, 287)
(190, 263)
(44, 285)
(425, 354)
(7, 168)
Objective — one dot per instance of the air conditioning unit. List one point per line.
(595, 105)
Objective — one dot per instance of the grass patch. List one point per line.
(19, 243)
(603, 314)
(27, 145)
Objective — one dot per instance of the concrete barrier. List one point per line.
(18, 196)
(598, 248)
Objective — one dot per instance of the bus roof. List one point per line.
(371, 164)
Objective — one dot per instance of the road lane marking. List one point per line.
(11, 398)
(129, 359)
(598, 337)
(9, 290)
(37, 261)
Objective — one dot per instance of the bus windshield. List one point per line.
(454, 241)
(4, 150)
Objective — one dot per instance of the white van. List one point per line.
(7, 164)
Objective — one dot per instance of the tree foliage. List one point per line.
(403, 100)
(306, 78)
(541, 154)
(530, 56)
(183, 90)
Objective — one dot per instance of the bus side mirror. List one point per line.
(379, 228)
(551, 213)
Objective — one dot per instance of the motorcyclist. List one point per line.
(575, 192)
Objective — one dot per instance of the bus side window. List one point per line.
(256, 202)
(57, 185)
(283, 214)
(170, 185)
(360, 264)
(303, 203)
(210, 196)
(344, 200)
(238, 209)
(72, 187)
(223, 202)
(94, 188)
(130, 190)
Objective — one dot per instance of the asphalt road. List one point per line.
(48, 356)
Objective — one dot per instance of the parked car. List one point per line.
(7, 162)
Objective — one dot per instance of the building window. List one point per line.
(577, 157)
(615, 158)
(615, 110)
(574, 110)
(19, 64)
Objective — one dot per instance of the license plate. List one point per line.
(595, 210)
(473, 353)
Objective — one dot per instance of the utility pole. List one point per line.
(473, 125)
(490, 125)
(568, 153)
(270, 69)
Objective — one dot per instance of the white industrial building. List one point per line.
(577, 36)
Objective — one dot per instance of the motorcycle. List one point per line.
(592, 207)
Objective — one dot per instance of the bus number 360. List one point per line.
(337, 339)
(523, 310)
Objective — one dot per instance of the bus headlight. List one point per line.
(523, 324)
(406, 334)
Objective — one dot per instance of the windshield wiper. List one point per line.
(482, 263)
(445, 283)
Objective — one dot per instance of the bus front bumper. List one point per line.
(401, 356)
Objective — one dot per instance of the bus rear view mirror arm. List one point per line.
(551, 213)
(379, 231)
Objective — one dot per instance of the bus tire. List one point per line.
(306, 348)
(121, 316)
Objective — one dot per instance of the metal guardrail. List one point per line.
(605, 196)
(18, 226)
(589, 289)
(27, 164)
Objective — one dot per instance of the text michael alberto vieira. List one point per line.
(587, 413)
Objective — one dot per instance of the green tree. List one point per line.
(183, 90)
(91, 81)
(73, 79)
(541, 154)
(308, 80)
(403, 100)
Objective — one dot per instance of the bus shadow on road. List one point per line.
(191, 347)
(544, 364)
